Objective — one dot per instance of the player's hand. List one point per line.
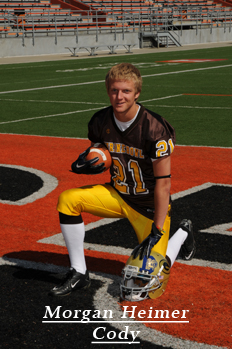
(144, 249)
(82, 166)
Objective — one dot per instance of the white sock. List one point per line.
(174, 244)
(74, 239)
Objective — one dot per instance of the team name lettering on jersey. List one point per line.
(124, 149)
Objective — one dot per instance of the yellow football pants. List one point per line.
(104, 201)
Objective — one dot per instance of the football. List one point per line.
(99, 150)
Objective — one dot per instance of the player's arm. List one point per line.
(162, 172)
(161, 169)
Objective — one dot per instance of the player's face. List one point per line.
(123, 95)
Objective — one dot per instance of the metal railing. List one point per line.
(61, 22)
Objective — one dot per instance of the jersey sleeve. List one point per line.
(93, 130)
(162, 140)
(96, 126)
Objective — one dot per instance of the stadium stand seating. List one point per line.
(18, 18)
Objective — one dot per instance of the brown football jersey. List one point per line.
(148, 138)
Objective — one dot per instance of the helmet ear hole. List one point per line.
(146, 278)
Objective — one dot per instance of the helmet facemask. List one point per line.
(142, 279)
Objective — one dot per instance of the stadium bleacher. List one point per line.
(20, 18)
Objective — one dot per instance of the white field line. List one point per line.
(157, 99)
(48, 116)
(51, 87)
(46, 101)
(74, 102)
(186, 106)
(86, 110)
(102, 81)
(188, 71)
(93, 82)
(73, 112)
(93, 109)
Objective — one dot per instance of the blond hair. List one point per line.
(124, 71)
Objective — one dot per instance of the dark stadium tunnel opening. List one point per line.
(17, 184)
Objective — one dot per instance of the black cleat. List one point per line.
(188, 249)
(72, 281)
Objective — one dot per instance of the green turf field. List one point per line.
(58, 98)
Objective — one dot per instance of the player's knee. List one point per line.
(64, 197)
(68, 203)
